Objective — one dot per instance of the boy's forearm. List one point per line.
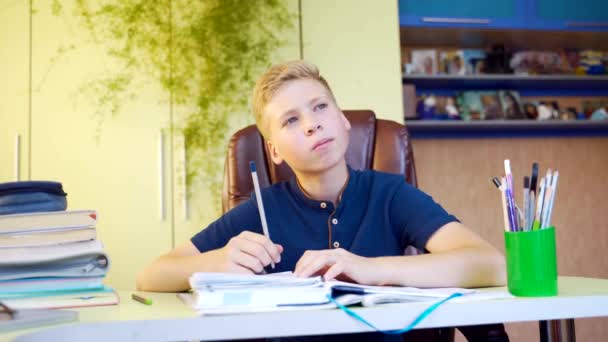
(170, 273)
(465, 267)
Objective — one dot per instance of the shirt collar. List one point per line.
(348, 189)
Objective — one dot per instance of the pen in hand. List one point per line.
(258, 197)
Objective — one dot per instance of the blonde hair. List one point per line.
(274, 78)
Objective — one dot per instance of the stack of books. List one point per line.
(52, 260)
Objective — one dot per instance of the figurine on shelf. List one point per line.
(599, 114)
(591, 63)
(568, 114)
(428, 111)
(545, 112)
(451, 109)
(531, 111)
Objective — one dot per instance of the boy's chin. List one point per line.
(320, 166)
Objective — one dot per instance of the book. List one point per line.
(78, 259)
(223, 293)
(51, 220)
(46, 238)
(424, 61)
(452, 62)
(62, 299)
(511, 104)
(26, 287)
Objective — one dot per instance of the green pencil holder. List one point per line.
(531, 263)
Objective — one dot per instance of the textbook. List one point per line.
(44, 221)
(25, 287)
(224, 293)
(46, 238)
(78, 259)
(61, 299)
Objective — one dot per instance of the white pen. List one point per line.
(503, 196)
(552, 199)
(258, 197)
(547, 199)
(539, 204)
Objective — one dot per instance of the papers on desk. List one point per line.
(222, 293)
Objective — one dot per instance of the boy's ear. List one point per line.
(274, 154)
(346, 122)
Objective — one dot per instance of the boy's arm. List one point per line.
(247, 252)
(458, 258)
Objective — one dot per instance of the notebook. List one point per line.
(46, 238)
(224, 293)
(62, 299)
(51, 220)
(79, 259)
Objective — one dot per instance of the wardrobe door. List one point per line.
(117, 164)
(14, 90)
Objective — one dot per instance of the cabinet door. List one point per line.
(120, 167)
(579, 15)
(463, 13)
(14, 91)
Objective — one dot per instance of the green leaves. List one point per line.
(206, 54)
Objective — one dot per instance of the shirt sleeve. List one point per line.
(240, 218)
(416, 215)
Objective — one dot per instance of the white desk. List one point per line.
(169, 319)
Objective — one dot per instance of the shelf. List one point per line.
(474, 38)
(502, 129)
(536, 85)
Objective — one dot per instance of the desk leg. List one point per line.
(557, 331)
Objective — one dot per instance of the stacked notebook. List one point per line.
(52, 260)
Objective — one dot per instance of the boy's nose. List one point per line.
(313, 128)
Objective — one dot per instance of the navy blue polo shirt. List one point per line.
(379, 214)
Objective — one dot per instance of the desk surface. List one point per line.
(169, 319)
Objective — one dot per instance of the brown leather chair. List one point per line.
(374, 144)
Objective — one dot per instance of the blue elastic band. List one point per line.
(411, 326)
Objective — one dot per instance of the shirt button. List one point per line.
(336, 244)
(334, 221)
(323, 205)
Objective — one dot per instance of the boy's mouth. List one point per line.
(322, 143)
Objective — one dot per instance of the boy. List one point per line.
(329, 220)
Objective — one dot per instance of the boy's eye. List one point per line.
(320, 106)
(290, 121)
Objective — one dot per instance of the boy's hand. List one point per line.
(249, 252)
(337, 263)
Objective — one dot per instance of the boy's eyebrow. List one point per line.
(294, 110)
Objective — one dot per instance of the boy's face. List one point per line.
(306, 128)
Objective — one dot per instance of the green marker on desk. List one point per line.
(141, 299)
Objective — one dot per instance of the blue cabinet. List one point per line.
(572, 15)
(463, 13)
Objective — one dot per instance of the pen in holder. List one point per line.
(531, 262)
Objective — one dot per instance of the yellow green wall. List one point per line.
(355, 43)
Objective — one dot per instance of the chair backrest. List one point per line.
(377, 144)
